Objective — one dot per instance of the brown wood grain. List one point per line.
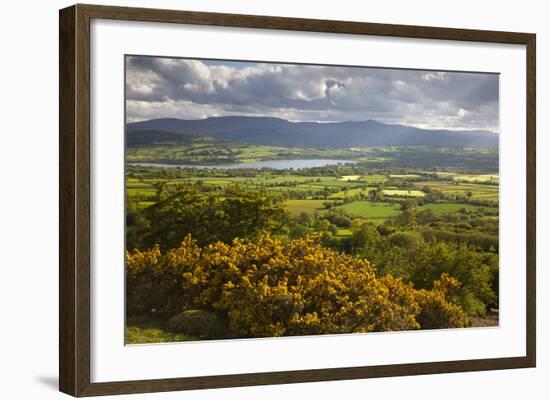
(67, 265)
(74, 199)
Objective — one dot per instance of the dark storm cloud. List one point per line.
(165, 87)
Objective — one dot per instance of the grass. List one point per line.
(374, 179)
(148, 330)
(276, 183)
(332, 182)
(140, 191)
(404, 176)
(139, 185)
(145, 204)
(403, 192)
(350, 192)
(344, 232)
(349, 178)
(284, 188)
(210, 150)
(440, 208)
(297, 206)
(479, 191)
(273, 179)
(487, 178)
(371, 210)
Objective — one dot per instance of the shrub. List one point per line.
(198, 323)
(273, 288)
(436, 312)
(154, 286)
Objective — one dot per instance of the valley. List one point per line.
(414, 212)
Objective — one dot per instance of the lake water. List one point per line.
(274, 164)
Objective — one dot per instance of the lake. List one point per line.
(274, 164)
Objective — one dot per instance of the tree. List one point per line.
(407, 218)
(366, 242)
(211, 217)
(424, 264)
(298, 231)
(356, 224)
(323, 225)
(136, 223)
(304, 219)
(406, 239)
(408, 204)
(340, 221)
(425, 216)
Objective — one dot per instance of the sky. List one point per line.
(159, 87)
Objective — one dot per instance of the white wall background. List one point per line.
(29, 184)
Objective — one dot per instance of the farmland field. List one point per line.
(305, 206)
(482, 178)
(403, 192)
(351, 192)
(475, 190)
(371, 210)
(440, 208)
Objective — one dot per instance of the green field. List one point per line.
(210, 150)
(351, 192)
(440, 208)
(405, 176)
(403, 192)
(333, 188)
(350, 178)
(308, 186)
(305, 205)
(140, 192)
(371, 210)
(477, 191)
(374, 179)
(481, 178)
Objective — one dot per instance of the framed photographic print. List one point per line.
(250, 200)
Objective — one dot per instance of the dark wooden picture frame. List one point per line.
(74, 212)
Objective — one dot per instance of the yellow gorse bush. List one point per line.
(273, 288)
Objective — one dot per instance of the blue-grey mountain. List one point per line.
(279, 132)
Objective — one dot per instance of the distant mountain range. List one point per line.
(279, 132)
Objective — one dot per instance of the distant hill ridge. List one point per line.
(279, 132)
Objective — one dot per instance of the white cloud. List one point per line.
(168, 87)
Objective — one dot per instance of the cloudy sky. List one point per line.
(194, 89)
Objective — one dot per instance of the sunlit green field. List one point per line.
(273, 183)
(351, 192)
(339, 188)
(405, 176)
(140, 191)
(371, 210)
(403, 192)
(481, 178)
(477, 191)
(440, 208)
(208, 150)
(297, 206)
